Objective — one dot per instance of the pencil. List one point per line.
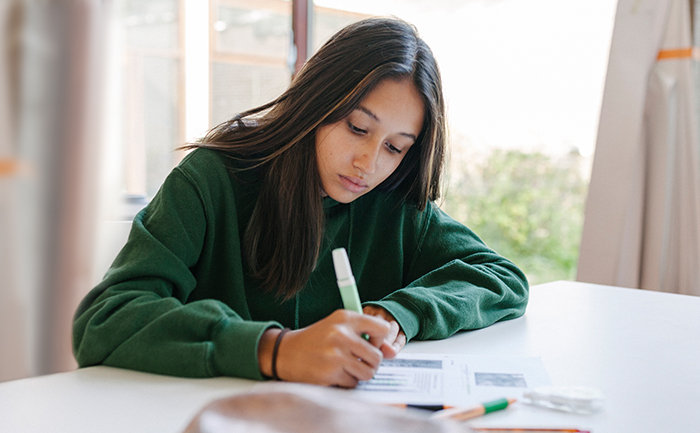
(463, 414)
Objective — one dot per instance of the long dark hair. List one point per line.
(284, 235)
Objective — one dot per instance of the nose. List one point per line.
(366, 158)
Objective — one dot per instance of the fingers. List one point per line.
(389, 337)
(390, 350)
(346, 381)
(374, 327)
(393, 332)
(359, 369)
(373, 310)
(367, 353)
(394, 341)
(400, 341)
(354, 368)
(332, 351)
(362, 359)
(361, 364)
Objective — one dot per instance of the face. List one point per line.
(360, 151)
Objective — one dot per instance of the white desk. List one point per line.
(642, 349)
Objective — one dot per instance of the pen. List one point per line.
(463, 414)
(431, 407)
(346, 282)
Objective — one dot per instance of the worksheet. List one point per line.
(454, 380)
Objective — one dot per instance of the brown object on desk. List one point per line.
(295, 408)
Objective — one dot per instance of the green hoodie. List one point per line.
(178, 299)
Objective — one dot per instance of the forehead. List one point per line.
(396, 105)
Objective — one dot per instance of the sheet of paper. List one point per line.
(449, 379)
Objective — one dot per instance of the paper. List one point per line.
(454, 380)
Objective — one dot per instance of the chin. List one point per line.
(344, 197)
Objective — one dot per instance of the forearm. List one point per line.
(161, 335)
(454, 282)
(457, 297)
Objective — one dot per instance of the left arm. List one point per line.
(454, 282)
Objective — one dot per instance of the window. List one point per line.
(152, 110)
(523, 80)
(249, 55)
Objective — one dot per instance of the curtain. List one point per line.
(51, 78)
(642, 218)
(13, 359)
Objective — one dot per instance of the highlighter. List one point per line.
(346, 282)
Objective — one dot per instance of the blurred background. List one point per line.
(96, 95)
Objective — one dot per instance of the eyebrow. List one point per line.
(368, 112)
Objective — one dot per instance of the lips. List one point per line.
(353, 184)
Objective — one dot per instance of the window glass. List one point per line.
(327, 21)
(161, 116)
(250, 54)
(260, 33)
(151, 109)
(151, 23)
(238, 87)
(249, 43)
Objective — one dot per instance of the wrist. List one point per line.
(265, 347)
(275, 351)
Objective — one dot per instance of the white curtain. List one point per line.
(12, 348)
(50, 89)
(642, 220)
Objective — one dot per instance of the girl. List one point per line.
(236, 246)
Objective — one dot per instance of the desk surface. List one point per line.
(642, 349)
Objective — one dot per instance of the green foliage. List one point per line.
(526, 206)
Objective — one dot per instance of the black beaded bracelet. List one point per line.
(274, 353)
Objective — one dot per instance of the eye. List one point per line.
(356, 130)
(393, 149)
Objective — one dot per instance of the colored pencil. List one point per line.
(463, 414)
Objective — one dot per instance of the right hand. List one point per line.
(328, 352)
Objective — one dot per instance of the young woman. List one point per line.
(236, 246)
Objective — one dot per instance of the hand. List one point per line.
(395, 339)
(329, 352)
